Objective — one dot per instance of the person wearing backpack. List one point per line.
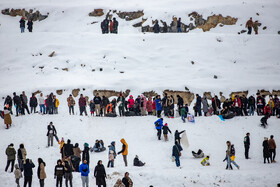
(176, 153)
(159, 124)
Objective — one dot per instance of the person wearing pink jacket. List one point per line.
(130, 103)
(150, 106)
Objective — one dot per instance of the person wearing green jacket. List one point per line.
(11, 157)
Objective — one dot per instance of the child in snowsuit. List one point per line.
(205, 161)
(18, 174)
(111, 159)
(165, 131)
(92, 107)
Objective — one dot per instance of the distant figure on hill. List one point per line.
(22, 24)
(105, 26)
(249, 25)
(71, 104)
(256, 27)
(115, 26)
(179, 29)
(266, 153)
(156, 27)
(111, 26)
(30, 25)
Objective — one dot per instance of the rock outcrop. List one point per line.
(110, 93)
(186, 95)
(239, 93)
(150, 94)
(96, 12)
(128, 16)
(75, 92)
(35, 16)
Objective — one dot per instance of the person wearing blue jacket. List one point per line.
(84, 169)
(112, 148)
(159, 125)
(176, 152)
(158, 106)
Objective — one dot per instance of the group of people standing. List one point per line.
(252, 24)
(22, 25)
(109, 26)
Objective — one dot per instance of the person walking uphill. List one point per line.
(22, 24)
(166, 129)
(159, 125)
(249, 25)
(28, 173)
(124, 151)
(11, 157)
(272, 148)
(51, 133)
(100, 174)
(84, 169)
(247, 145)
(176, 152)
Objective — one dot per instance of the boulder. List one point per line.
(128, 16)
(75, 92)
(150, 94)
(214, 20)
(276, 92)
(59, 92)
(96, 12)
(239, 93)
(110, 93)
(23, 13)
(208, 95)
(264, 92)
(186, 95)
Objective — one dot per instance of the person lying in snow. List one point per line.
(98, 146)
(137, 162)
(199, 154)
(205, 161)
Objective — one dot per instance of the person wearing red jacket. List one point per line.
(154, 107)
(111, 26)
(82, 105)
(267, 110)
(150, 106)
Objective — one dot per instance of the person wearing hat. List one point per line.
(159, 125)
(22, 24)
(166, 129)
(124, 151)
(85, 155)
(11, 157)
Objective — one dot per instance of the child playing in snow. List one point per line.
(205, 161)
(92, 107)
(264, 120)
(111, 159)
(7, 117)
(18, 174)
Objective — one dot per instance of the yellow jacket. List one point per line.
(56, 103)
(125, 152)
(271, 103)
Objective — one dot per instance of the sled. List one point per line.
(221, 117)
(2, 114)
(185, 141)
(190, 118)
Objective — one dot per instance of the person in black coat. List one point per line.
(51, 133)
(266, 153)
(30, 25)
(115, 26)
(59, 173)
(9, 101)
(176, 152)
(50, 103)
(22, 24)
(198, 105)
(251, 105)
(177, 136)
(247, 145)
(166, 129)
(180, 103)
(137, 162)
(100, 174)
(127, 180)
(28, 173)
(264, 120)
(68, 148)
(156, 27)
(17, 103)
(105, 26)
(85, 155)
(33, 103)
(244, 104)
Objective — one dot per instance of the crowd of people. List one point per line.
(109, 26)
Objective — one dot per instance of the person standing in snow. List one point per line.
(247, 145)
(17, 103)
(68, 169)
(166, 129)
(91, 107)
(115, 26)
(84, 169)
(266, 153)
(272, 148)
(9, 103)
(71, 104)
(124, 151)
(180, 103)
(177, 136)
(82, 105)
(121, 104)
(179, 25)
(127, 180)
(251, 105)
(230, 155)
(176, 152)
(249, 25)
(11, 157)
(97, 102)
(150, 106)
(56, 104)
(30, 25)
(41, 172)
(112, 154)
(198, 105)
(256, 27)
(33, 103)
(22, 24)
(7, 118)
(59, 173)
(205, 105)
(18, 174)
(156, 27)
(24, 103)
(100, 174)
(158, 106)
(77, 153)
(104, 102)
(68, 149)
(42, 104)
(21, 156)
(85, 155)
(27, 172)
(158, 125)
(111, 26)
(51, 133)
